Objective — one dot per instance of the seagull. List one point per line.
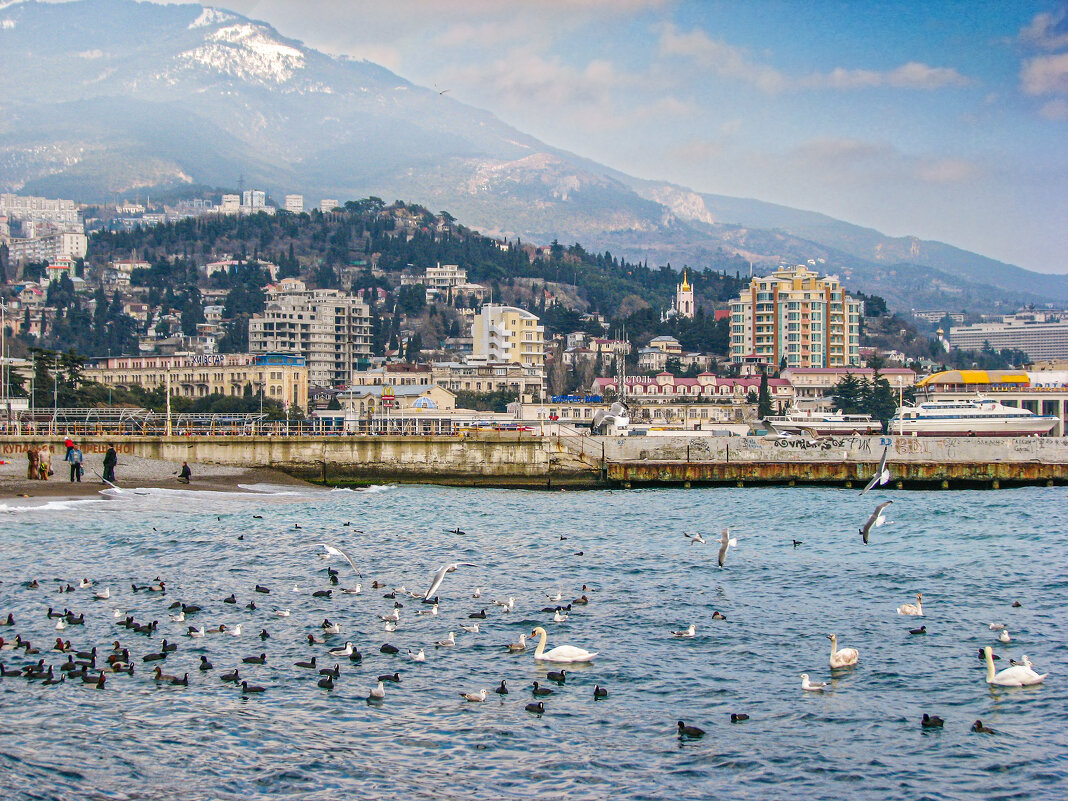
(104, 595)
(180, 617)
(689, 632)
(520, 646)
(478, 592)
(555, 597)
(440, 577)
(84, 583)
(472, 629)
(236, 630)
(378, 693)
(812, 686)
(694, 538)
(433, 610)
(346, 651)
(389, 627)
(353, 590)
(997, 626)
(475, 697)
(1004, 636)
(448, 642)
(392, 617)
(333, 628)
(559, 617)
(725, 542)
(333, 550)
(281, 612)
(878, 518)
(882, 474)
(196, 632)
(417, 657)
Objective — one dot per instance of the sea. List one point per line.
(971, 554)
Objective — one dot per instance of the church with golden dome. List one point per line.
(684, 303)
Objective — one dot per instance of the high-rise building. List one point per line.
(328, 204)
(331, 330)
(295, 203)
(797, 315)
(508, 334)
(253, 200)
(1041, 335)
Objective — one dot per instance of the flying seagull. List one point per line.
(882, 475)
(333, 550)
(878, 517)
(440, 577)
(694, 538)
(725, 542)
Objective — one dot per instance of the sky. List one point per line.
(943, 120)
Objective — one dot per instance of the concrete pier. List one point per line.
(519, 459)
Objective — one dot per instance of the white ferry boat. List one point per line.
(822, 423)
(971, 417)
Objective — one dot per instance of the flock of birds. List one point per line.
(97, 664)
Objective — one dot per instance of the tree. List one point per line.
(847, 397)
(763, 397)
(413, 349)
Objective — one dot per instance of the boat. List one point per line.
(818, 424)
(968, 417)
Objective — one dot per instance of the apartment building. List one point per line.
(330, 330)
(295, 203)
(1041, 335)
(797, 315)
(508, 334)
(481, 377)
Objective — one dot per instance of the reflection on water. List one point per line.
(970, 554)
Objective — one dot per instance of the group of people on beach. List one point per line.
(39, 463)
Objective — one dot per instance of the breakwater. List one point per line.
(516, 459)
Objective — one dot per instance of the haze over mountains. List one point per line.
(107, 98)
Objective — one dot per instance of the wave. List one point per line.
(277, 489)
(49, 506)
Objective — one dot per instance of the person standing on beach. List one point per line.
(110, 460)
(185, 474)
(74, 456)
(44, 464)
(33, 458)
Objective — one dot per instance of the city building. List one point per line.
(705, 388)
(40, 209)
(60, 268)
(482, 377)
(1041, 335)
(814, 386)
(938, 316)
(330, 330)
(295, 204)
(508, 334)
(231, 204)
(283, 378)
(253, 200)
(684, 302)
(797, 316)
(51, 245)
(1044, 392)
(328, 204)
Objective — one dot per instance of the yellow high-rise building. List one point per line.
(797, 315)
(508, 334)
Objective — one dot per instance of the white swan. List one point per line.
(842, 658)
(812, 686)
(912, 609)
(561, 653)
(1015, 676)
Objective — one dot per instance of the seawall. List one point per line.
(512, 459)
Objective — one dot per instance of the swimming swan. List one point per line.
(847, 657)
(561, 653)
(1015, 676)
(912, 609)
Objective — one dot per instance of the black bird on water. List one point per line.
(931, 721)
(690, 732)
(738, 717)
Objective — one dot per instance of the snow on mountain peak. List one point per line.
(246, 51)
(211, 16)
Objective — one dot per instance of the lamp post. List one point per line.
(55, 394)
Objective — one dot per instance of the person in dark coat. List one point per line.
(110, 460)
(185, 474)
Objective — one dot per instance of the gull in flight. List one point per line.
(440, 577)
(694, 538)
(882, 474)
(725, 541)
(878, 518)
(333, 550)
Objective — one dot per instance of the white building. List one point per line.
(40, 209)
(253, 200)
(508, 334)
(295, 203)
(231, 204)
(1041, 335)
(332, 331)
(328, 204)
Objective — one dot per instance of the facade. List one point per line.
(797, 315)
(1040, 335)
(814, 386)
(282, 378)
(378, 399)
(1044, 392)
(40, 209)
(253, 200)
(55, 245)
(328, 204)
(508, 334)
(483, 377)
(295, 204)
(705, 388)
(330, 330)
(231, 204)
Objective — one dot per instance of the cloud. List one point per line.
(856, 162)
(1045, 75)
(946, 171)
(732, 62)
(1047, 31)
(697, 151)
(91, 54)
(1056, 110)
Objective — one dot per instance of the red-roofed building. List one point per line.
(704, 388)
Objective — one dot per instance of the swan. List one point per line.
(812, 686)
(561, 653)
(847, 657)
(912, 609)
(1015, 676)
(1004, 636)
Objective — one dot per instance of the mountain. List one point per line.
(109, 98)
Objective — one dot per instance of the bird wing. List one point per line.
(436, 582)
(882, 475)
(882, 461)
(333, 550)
(725, 541)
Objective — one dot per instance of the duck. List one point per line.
(519, 646)
(599, 692)
(690, 631)
(261, 588)
(920, 630)
(309, 664)
(561, 653)
(979, 728)
(738, 717)
(264, 635)
(1014, 676)
(581, 601)
(167, 647)
(931, 721)
(231, 600)
(393, 677)
(205, 664)
(846, 657)
(690, 732)
(812, 686)
(251, 606)
(182, 682)
(475, 697)
(322, 593)
(250, 688)
(537, 708)
(915, 609)
(159, 675)
(559, 676)
(334, 672)
(539, 690)
(717, 615)
(502, 689)
(255, 660)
